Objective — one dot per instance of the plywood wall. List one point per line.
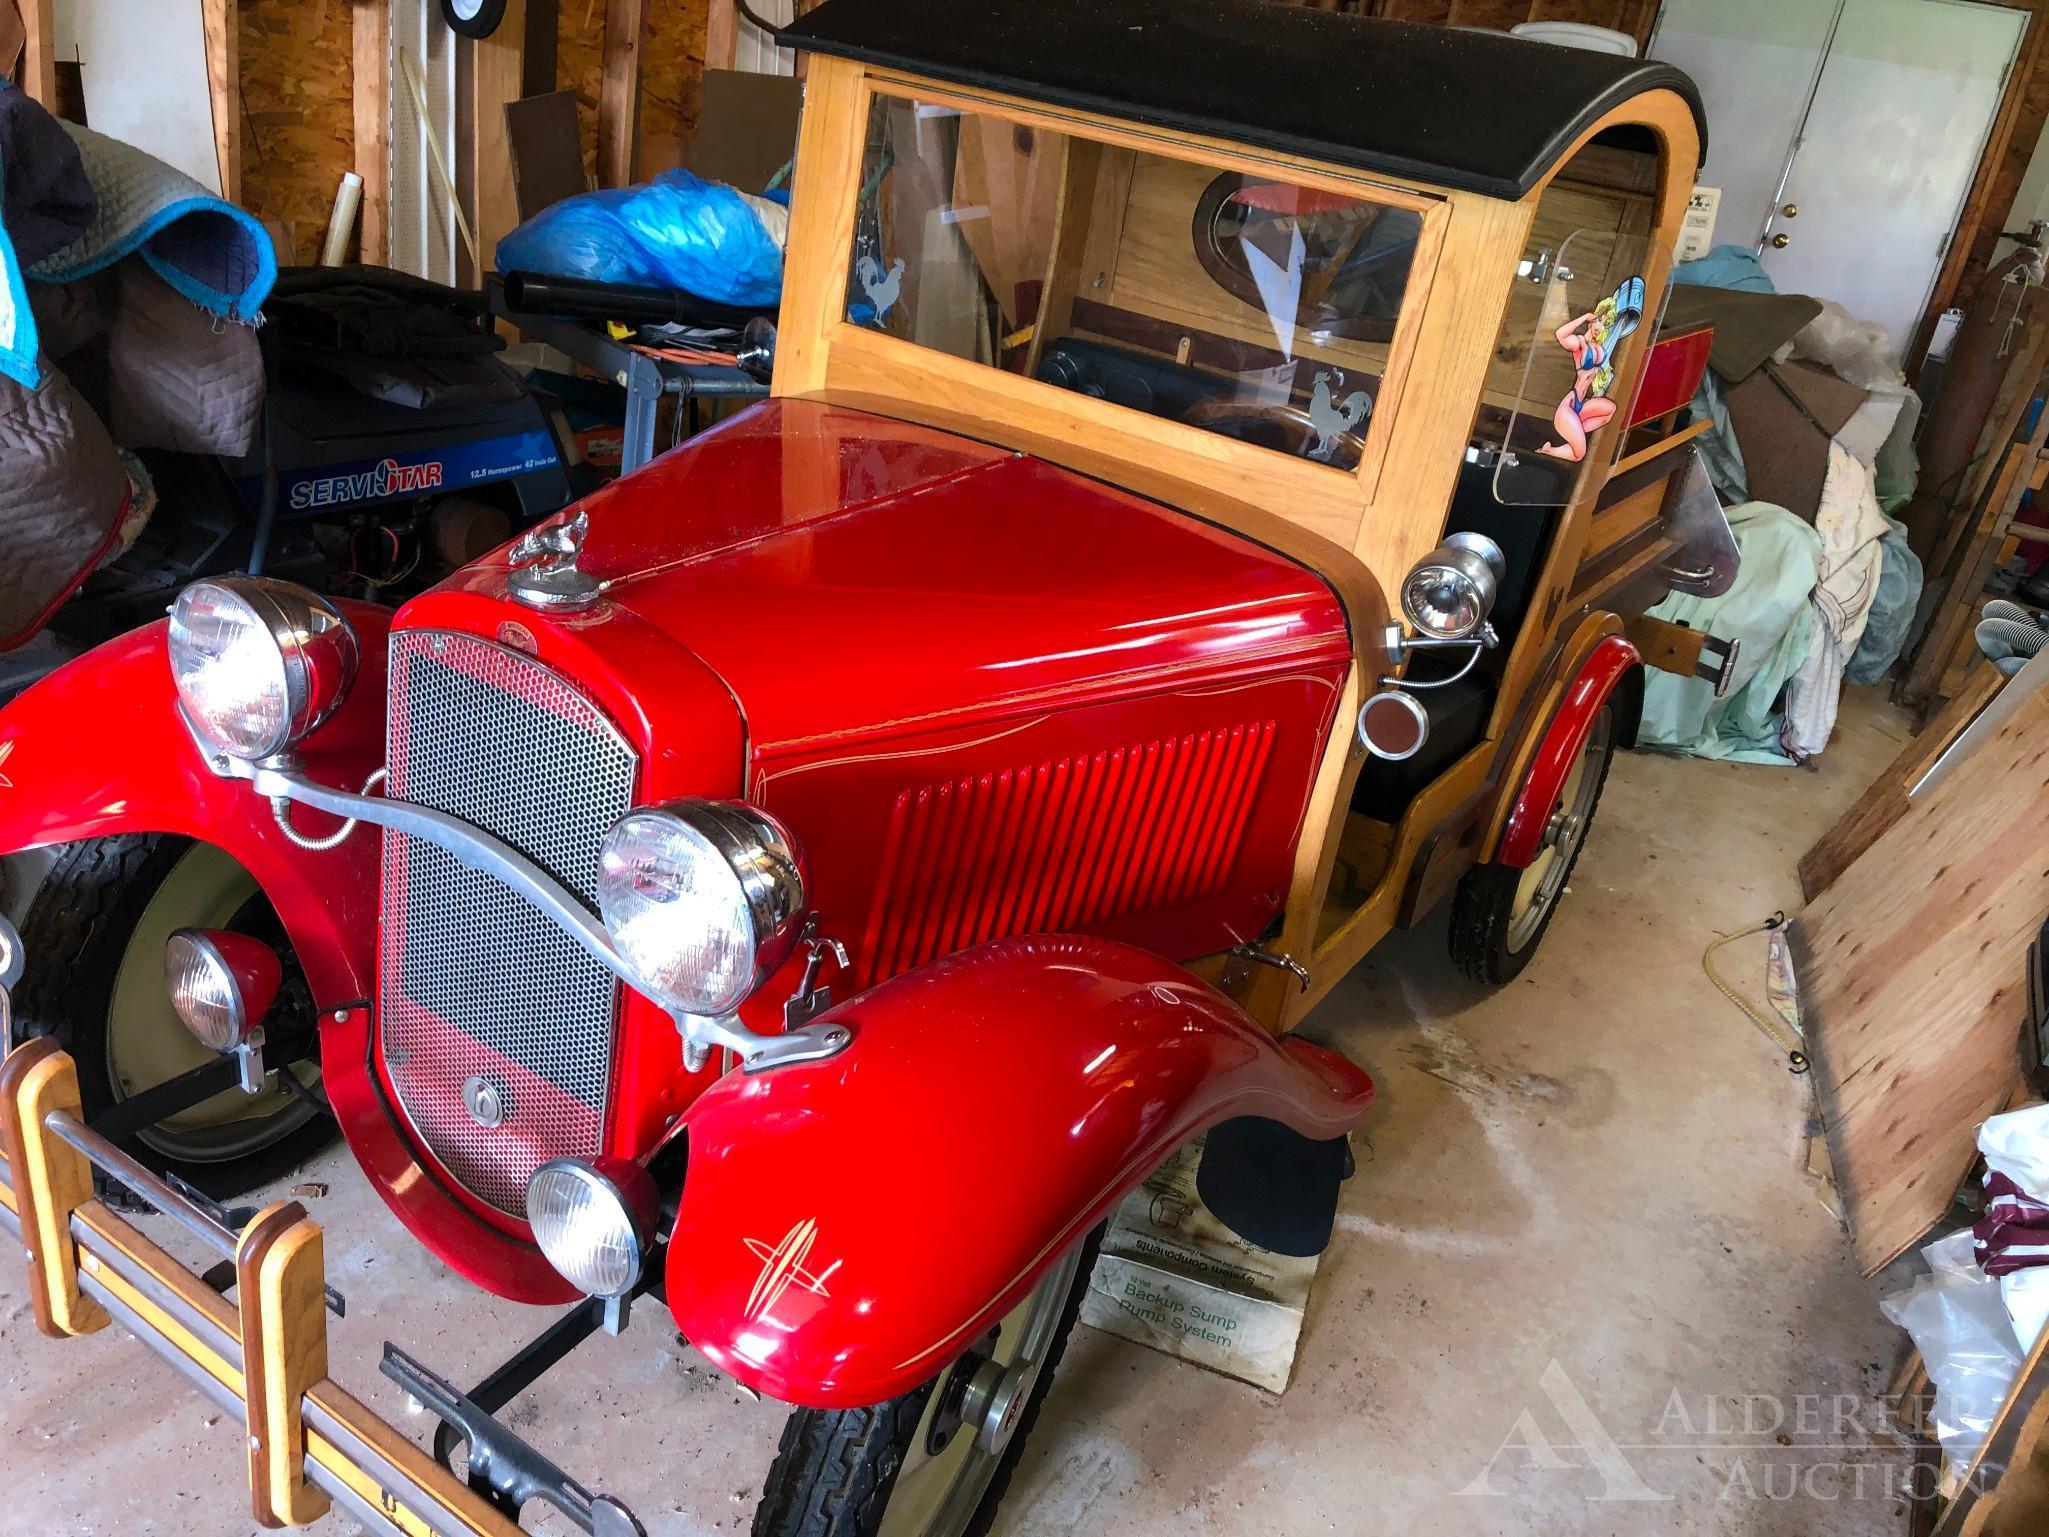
(298, 99)
(669, 85)
(298, 114)
(1631, 16)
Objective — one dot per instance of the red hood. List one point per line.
(847, 575)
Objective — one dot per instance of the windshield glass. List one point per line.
(1243, 305)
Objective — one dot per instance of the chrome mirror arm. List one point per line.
(1402, 646)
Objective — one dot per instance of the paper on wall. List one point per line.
(1697, 229)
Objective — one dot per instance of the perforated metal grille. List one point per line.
(475, 986)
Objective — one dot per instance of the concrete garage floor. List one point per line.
(1580, 1248)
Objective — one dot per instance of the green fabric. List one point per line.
(1768, 615)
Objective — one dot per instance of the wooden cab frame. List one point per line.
(1361, 529)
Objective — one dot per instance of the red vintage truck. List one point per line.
(1212, 485)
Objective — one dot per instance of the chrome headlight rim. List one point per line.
(1469, 563)
(314, 649)
(242, 975)
(767, 869)
(626, 1196)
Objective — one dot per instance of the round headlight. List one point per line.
(1451, 591)
(258, 663)
(703, 898)
(593, 1219)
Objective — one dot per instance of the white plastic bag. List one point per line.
(1861, 351)
(1959, 1324)
(2016, 1145)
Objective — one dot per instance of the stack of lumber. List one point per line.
(1975, 519)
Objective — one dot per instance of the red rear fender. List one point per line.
(847, 1227)
(1598, 677)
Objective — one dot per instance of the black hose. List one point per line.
(536, 293)
(748, 11)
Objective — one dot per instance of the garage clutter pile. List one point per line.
(1811, 442)
(128, 302)
(1978, 1311)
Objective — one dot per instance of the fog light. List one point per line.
(222, 984)
(594, 1219)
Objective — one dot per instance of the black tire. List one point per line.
(76, 934)
(835, 1470)
(473, 18)
(1484, 905)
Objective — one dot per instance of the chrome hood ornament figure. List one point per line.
(545, 573)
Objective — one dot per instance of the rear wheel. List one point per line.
(94, 938)
(1499, 914)
(935, 1462)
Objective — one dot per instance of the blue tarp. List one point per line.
(677, 231)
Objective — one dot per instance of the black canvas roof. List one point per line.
(1481, 111)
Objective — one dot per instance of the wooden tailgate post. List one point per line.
(52, 1179)
(280, 1283)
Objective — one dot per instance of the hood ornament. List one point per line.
(544, 570)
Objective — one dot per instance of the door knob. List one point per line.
(1780, 242)
(1791, 210)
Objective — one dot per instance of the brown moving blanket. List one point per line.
(109, 263)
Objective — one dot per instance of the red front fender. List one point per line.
(99, 748)
(847, 1227)
(1523, 834)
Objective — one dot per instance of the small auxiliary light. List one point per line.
(222, 985)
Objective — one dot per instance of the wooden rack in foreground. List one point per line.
(262, 1357)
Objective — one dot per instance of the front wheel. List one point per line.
(94, 938)
(1498, 913)
(935, 1462)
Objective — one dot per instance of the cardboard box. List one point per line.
(1174, 1277)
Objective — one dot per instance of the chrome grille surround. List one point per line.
(476, 986)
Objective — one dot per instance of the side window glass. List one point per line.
(1573, 389)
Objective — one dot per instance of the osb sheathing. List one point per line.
(672, 71)
(298, 114)
(298, 99)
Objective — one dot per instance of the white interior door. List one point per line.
(1901, 114)
(1755, 62)
(1864, 118)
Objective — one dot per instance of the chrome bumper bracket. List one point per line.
(503, 1467)
(279, 781)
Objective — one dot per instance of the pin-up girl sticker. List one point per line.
(1593, 339)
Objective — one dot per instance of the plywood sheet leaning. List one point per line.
(1910, 974)
(1885, 801)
